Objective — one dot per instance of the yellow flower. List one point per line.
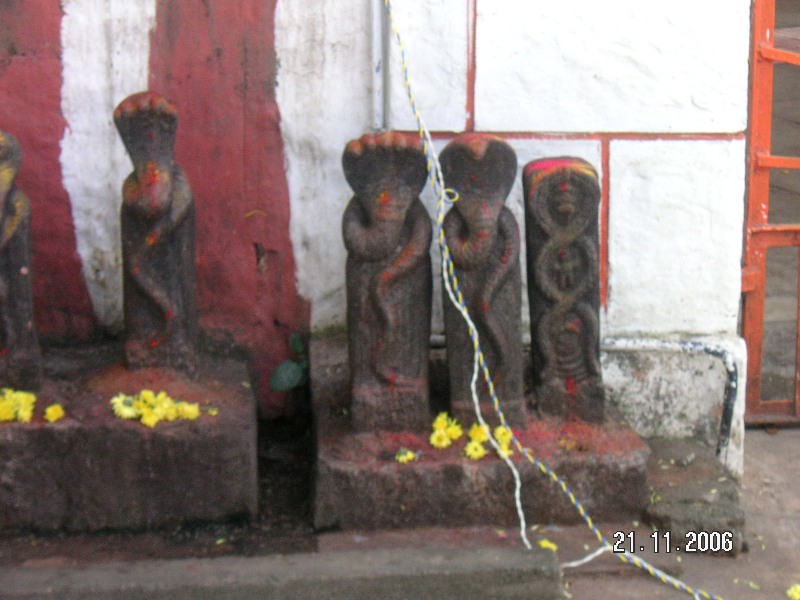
(149, 418)
(213, 411)
(475, 450)
(125, 407)
(440, 439)
(24, 413)
(503, 435)
(16, 405)
(505, 451)
(794, 592)
(441, 421)
(478, 433)
(8, 412)
(453, 429)
(53, 413)
(148, 397)
(404, 455)
(171, 410)
(547, 544)
(188, 410)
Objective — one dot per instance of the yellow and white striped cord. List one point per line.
(450, 281)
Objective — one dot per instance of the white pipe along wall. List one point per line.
(664, 100)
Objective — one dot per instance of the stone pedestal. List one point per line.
(92, 471)
(359, 485)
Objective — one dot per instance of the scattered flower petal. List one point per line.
(547, 544)
(53, 413)
(404, 455)
(453, 430)
(474, 450)
(439, 439)
(478, 433)
(441, 421)
(503, 435)
(794, 592)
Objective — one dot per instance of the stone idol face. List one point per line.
(562, 197)
(484, 242)
(158, 238)
(387, 233)
(20, 356)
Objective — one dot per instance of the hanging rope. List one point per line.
(446, 196)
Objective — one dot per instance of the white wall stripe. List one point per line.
(105, 56)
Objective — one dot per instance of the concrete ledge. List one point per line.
(396, 574)
(92, 471)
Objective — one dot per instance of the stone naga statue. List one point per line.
(387, 233)
(562, 197)
(158, 237)
(484, 243)
(20, 355)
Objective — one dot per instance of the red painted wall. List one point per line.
(30, 109)
(216, 62)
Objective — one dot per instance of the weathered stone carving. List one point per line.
(158, 222)
(387, 233)
(484, 242)
(20, 356)
(562, 196)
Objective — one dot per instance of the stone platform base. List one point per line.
(92, 471)
(359, 485)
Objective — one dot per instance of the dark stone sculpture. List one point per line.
(20, 356)
(158, 222)
(484, 242)
(562, 196)
(387, 233)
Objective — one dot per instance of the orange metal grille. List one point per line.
(767, 48)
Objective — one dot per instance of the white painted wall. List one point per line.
(575, 66)
(105, 52)
(619, 65)
(675, 235)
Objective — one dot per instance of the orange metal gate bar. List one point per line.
(759, 234)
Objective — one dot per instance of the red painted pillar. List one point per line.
(217, 64)
(30, 109)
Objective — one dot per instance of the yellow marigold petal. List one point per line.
(404, 455)
(440, 439)
(441, 421)
(794, 592)
(188, 410)
(149, 418)
(24, 414)
(213, 411)
(53, 413)
(503, 435)
(475, 450)
(505, 451)
(547, 544)
(8, 411)
(478, 433)
(454, 430)
(171, 411)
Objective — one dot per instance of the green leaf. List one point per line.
(286, 376)
(296, 343)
